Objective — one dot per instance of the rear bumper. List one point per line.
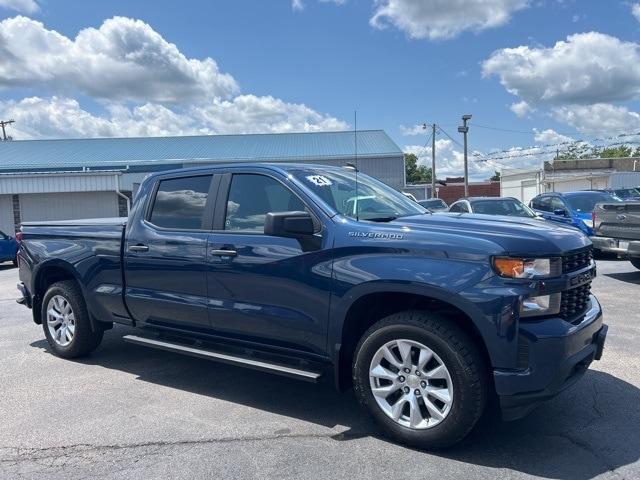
(619, 246)
(25, 296)
(558, 352)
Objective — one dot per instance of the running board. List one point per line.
(224, 357)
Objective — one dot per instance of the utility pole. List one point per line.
(4, 123)
(433, 161)
(464, 129)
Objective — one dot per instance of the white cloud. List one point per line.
(59, 117)
(124, 59)
(414, 130)
(144, 86)
(22, 6)
(521, 109)
(598, 118)
(586, 68)
(443, 19)
(635, 10)
(450, 161)
(299, 4)
(266, 114)
(550, 136)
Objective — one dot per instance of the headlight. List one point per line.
(542, 305)
(523, 267)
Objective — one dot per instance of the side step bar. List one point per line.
(224, 357)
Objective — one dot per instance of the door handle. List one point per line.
(224, 253)
(138, 248)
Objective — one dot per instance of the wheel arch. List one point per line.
(46, 275)
(373, 304)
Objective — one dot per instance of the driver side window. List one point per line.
(251, 197)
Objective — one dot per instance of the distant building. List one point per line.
(71, 179)
(571, 175)
(454, 189)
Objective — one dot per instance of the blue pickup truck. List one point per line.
(319, 272)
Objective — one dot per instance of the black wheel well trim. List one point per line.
(341, 351)
(69, 273)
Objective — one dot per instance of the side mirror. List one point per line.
(560, 212)
(288, 224)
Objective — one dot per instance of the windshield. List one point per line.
(627, 193)
(433, 203)
(586, 201)
(370, 200)
(510, 207)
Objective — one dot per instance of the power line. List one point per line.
(572, 142)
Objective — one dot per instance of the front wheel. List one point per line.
(66, 321)
(422, 379)
(635, 261)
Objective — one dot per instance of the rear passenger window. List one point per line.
(180, 203)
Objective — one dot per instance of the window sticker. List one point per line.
(319, 180)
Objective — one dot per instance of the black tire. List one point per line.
(85, 339)
(459, 354)
(635, 261)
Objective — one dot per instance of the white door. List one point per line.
(68, 206)
(6, 215)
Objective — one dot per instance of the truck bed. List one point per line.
(89, 248)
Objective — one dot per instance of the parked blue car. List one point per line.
(8, 248)
(571, 208)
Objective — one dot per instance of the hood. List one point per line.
(516, 236)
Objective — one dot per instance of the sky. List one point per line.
(535, 74)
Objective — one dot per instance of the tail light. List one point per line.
(593, 218)
(18, 237)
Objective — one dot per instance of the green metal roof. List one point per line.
(122, 152)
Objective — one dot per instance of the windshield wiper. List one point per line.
(380, 219)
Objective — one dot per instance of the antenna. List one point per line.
(355, 142)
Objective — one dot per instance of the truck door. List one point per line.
(262, 288)
(165, 253)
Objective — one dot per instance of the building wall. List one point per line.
(421, 192)
(6, 214)
(523, 185)
(453, 192)
(68, 206)
(389, 170)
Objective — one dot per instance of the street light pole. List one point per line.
(464, 129)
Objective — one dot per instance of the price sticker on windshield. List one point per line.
(319, 180)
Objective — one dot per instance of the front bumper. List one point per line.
(619, 246)
(557, 354)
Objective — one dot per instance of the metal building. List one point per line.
(70, 179)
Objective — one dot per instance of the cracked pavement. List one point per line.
(131, 412)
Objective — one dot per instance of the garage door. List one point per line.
(68, 206)
(6, 214)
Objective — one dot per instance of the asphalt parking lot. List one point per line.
(130, 412)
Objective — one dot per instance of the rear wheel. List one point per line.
(421, 377)
(66, 322)
(635, 261)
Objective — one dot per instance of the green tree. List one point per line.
(496, 176)
(616, 152)
(416, 173)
